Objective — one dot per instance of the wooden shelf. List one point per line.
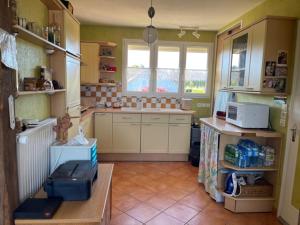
(107, 57)
(35, 39)
(107, 71)
(229, 129)
(22, 93)
(100, 84)
(247, 198)
(230, 166)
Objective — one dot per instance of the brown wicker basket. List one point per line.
(263, 189)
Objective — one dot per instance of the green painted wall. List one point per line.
(30, 57)
(290, 8)
(117, 34)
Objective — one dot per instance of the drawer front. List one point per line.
(180, 119)
(155, 118)
(126, 118)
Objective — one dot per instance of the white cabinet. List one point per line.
(103, 132)
(179, 138)
(126, 137)
(154, 138)
(226, 53)
(73, 81)
(71, 34)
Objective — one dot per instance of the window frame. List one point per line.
(183, 46)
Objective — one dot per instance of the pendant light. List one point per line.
(150, 33)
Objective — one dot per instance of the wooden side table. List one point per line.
(95, 211)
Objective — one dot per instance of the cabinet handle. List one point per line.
(156, 118)
(134, 124)
(180, 119)
(126, 118)
(147, 124)
(249, 88)
(173, 125)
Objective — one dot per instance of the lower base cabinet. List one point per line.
(103, 132)
(179, 138)
(126, 137)
(154, 138)
(88, 126)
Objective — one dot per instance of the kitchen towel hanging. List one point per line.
(8, 49)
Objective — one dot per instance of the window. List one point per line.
(167, 69)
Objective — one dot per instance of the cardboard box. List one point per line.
(249, 204)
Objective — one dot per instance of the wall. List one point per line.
(29, 57)
(117, 34)
(290, 8)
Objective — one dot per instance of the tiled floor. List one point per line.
(169, 194)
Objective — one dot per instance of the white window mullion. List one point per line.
(182, 69)
(153, 63)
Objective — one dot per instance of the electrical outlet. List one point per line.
(203, 105)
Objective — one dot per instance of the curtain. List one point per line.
(208, 165)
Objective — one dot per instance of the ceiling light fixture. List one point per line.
(196, 34)
(150, 33)
(181, 33)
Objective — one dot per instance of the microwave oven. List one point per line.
(248, 115)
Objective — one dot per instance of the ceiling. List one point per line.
(206, 14)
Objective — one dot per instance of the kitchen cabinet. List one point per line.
(71, 34)
(179, 138)
(226, 55)
(87, 125)
(154, 138)
(89, 71)
(240, 59)
(243, 69)
(126, 137)
(73, 81)
(104, 132)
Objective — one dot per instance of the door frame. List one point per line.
(296, 83)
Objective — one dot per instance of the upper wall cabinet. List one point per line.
(259, 58)
(89, 71)
(71, 30)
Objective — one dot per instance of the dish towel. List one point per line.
(8, 49)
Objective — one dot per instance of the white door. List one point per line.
(179, 138)
(154, 138)
(103, 132)
(287, 211)
(126, 137)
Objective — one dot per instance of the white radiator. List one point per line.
(33, 157)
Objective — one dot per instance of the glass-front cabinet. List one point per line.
(240, 56)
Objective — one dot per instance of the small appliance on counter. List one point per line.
(248, 115)
(72, 181)
(186, 104)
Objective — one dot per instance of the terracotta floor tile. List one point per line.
(160, 202)
(181, 212)
(196, 202)
(156, 186)
(143, 212)
(142, 194)
(124, 219)
(217, 210)
(201, 219)
(175, 193)
(125, 203)
(115, 212)
(164, 219)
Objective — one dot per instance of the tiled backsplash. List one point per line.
(109, 95)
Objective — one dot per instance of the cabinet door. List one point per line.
(72, 34)
(88, 126)
(89, 71)
(74, 112)
(240, 59)
(126, 137)
(154, 138)
(103, 132)
(257, 56)
(179, 138)
(73, 81)
(226, 54)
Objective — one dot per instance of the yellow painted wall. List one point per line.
(117, 34)
(30, 57)
(290, 8)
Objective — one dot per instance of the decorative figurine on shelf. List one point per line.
(61, 129)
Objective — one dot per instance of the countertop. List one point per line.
(226, 128)
(91, 111)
